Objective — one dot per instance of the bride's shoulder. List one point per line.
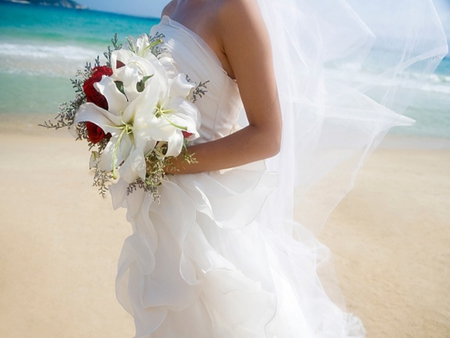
(240, 12)
(236, 6)
(237, 16)
(169, 8)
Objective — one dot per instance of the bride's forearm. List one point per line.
(246, 145)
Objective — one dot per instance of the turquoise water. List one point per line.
(56, 25)
(42, 47)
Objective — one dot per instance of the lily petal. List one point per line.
(142, 108)
(180, 86)
(117, 150)
(185, 114)
(175, 143)
(135, 71)
(99, 116)
(116, 100)
(134, 166)
(159, 129)
(121, 55)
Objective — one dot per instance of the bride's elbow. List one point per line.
(274, 149)
(275, 130)
(266, 141)
(272, 146)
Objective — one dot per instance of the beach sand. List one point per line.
(390, 238)
(60, 242)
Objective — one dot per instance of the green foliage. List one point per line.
(199, 91)
(115, 46)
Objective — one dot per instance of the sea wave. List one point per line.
(51, 61)
(363, 78)
(439, 78)
(36, 51)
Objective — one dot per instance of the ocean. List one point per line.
(42, 47)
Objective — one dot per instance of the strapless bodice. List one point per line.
(220, 106)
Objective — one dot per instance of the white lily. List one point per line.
(142, 45)
(133, 71)
(137, 120)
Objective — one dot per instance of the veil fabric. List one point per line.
(346, 72)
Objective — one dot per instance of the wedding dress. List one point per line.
(220, 256)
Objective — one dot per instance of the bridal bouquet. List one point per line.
(135, 112)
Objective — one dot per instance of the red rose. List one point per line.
(95, 133)
(186, 134)
(92, 95)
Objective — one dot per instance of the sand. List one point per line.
(390, 237)
(60, 242)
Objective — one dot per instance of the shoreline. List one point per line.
(405, 142)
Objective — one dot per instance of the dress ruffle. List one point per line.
(198, 264)
(184, 256)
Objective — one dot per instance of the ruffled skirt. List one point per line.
(199, 264)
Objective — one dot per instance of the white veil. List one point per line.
(346, 71)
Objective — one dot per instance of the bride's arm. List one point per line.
(245, 42)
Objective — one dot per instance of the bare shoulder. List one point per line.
(170, 7)
(241, 26)
(239, 12)
(246, 43)
(240, 22)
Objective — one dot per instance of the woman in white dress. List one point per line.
(220, 255)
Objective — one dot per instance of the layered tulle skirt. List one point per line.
(200, 265)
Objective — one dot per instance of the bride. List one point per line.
(221, 254)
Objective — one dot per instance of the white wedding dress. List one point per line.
(220, 256)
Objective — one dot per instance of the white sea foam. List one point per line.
(23, 2)
(444, 89)
(439, 78)
(356, 76)
(34, 59)
(45, 52)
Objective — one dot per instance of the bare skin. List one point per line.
(235, 31)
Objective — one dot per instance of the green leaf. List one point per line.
(140, 86)
(119, 85)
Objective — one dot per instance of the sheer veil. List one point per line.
(346, 71)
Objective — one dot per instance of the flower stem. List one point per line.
(163, 112)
